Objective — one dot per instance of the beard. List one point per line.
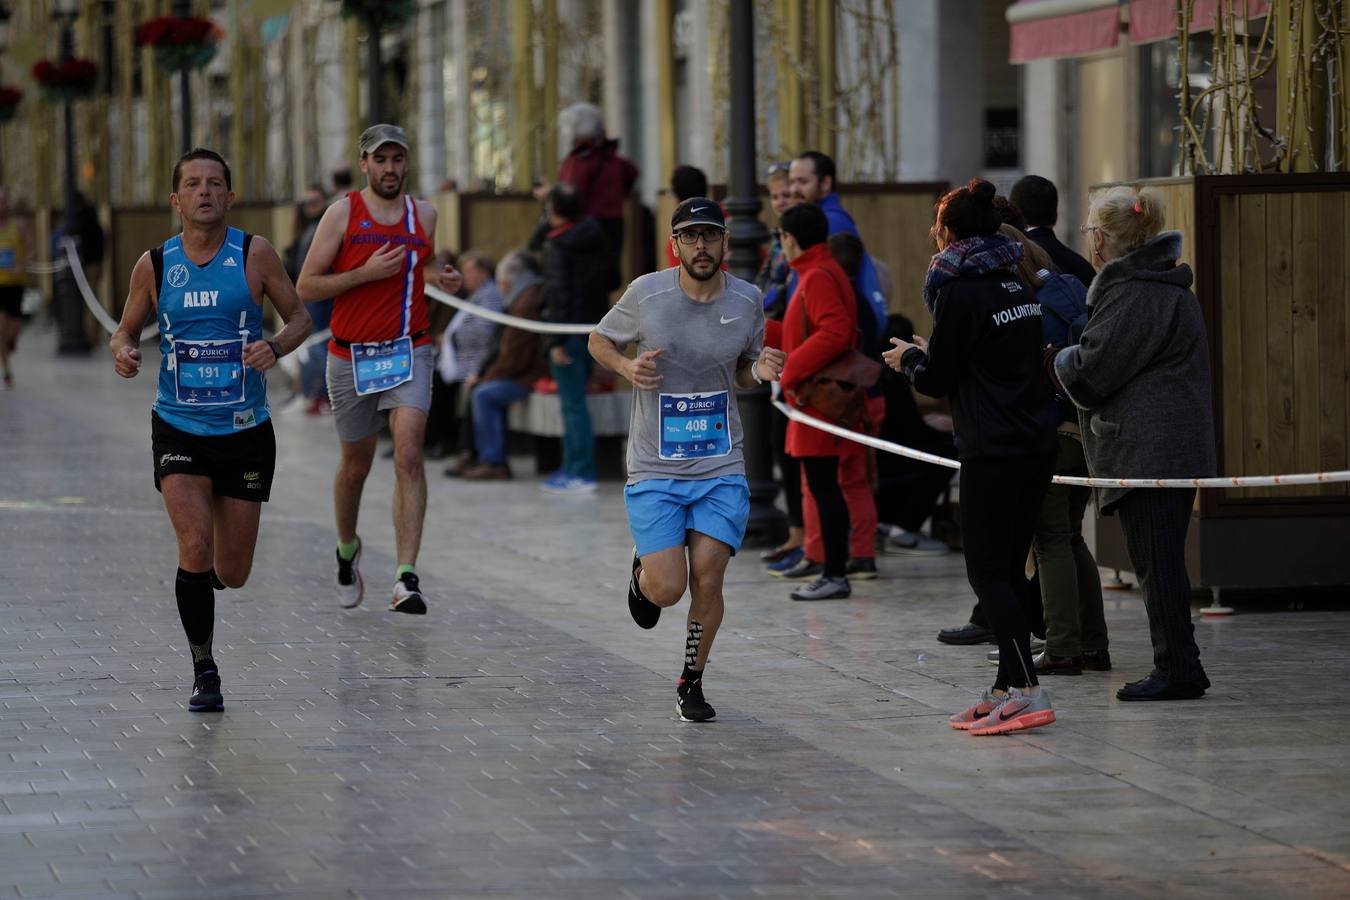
(701, 276)
(387, 193)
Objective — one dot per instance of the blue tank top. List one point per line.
(206, 316)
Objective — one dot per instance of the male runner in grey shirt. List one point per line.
(700, 336)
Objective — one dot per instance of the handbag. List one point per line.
(838, 391)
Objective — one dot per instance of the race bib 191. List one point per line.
(209, 373)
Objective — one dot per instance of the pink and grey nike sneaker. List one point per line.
(1017, 712)
(963, 720)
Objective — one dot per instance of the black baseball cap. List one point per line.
(697, 211)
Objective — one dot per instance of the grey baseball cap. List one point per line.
(377, 135)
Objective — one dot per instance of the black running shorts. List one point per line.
(11, 300)
(239, 465)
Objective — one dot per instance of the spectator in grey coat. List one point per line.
(1139, 376)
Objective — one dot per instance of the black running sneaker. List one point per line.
(690, 703)
(408, 596)
(644, 612)
(206, 693)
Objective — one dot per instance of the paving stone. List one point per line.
(521, 740)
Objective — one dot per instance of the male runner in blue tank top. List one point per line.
(210, 427)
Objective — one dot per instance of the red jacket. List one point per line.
(833, 318)
(601, 176)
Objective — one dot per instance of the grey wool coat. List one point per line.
(1139, 374)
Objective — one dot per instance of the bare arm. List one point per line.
(769, 366)
(317, 282)
(640, 372)
(140, 306)
(265, 266)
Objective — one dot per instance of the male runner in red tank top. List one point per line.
(368, 253)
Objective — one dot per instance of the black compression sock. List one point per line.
(203, 665)
(197, 609)
(689, 676)
(216, 582)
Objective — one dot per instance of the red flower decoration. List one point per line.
(177, 31)
(10, 96)
(76, 74)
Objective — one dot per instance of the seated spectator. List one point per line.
(464, 345)
(514, 364)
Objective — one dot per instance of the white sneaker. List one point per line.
(350, 586)
(408, 595)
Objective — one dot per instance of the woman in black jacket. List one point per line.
(985, 352)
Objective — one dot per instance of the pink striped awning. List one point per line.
(1154, 20)
(1048, 29)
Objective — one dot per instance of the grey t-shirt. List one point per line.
(703, 345)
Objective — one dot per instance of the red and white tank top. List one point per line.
(391, 307)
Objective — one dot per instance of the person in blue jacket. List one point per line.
(812, 177)
(1071, 589)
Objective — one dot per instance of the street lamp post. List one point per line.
(72, 339)
(767, 523)
(183, 9)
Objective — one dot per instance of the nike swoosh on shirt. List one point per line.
(725, 321)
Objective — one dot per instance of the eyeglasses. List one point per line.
(691, 237)
(1087, 229)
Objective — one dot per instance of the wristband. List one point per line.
(754, 372)
(275, 351)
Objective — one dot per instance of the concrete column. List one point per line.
(430, 159)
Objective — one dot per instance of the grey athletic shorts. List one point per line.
(358, 417)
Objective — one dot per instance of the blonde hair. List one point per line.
(1128, 217)
(776, 175)
(1034, 258)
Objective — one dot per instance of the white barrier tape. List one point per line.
(1229, 481)
(107, 321)
(436, 293)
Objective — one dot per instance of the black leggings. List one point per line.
(1000, 503)
(822, 477)
(791, 469)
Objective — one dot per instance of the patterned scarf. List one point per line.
(970, 256)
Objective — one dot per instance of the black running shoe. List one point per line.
(206, 693)
(690, 703)
(644, 612)
(408, 596)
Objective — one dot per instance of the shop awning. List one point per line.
(1154, 20)
(1048, 29)
(1051, 29)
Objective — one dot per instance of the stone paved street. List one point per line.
(521, 739)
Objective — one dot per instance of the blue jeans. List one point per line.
(490, 400)
(312, 370)
(578, 441)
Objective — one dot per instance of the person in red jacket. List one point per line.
(821, 322)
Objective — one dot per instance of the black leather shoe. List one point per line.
(1158, 687)
(1097, 660)
(1058, 665)
(969, 633)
